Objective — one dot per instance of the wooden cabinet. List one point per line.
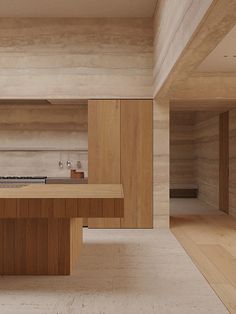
(104, 150)
(136, 163)
(120, 145)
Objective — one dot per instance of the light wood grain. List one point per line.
(58, 191)
(136, 163)
(208, 236)
(104, 149)
(104, 141)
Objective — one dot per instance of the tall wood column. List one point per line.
(121, 151)
(104, 150)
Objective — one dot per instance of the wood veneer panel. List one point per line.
(53, 246)
(10, 208)
(34, 208)
(83, 206)
(2, 208)
(42, 246)
(119, 208)
(59, 191)
(224, 162)
(104, 149)
(136, 163)
(47, 208)
(9, 246)
(1, 245)
(71, 207)
(76, 236)
(20, 246)
(64, 246)
(61, 208)
(39, 246)
(31, 245)
(22, 208)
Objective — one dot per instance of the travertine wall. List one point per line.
(207, 157)
(161, 147)
(174, 25)
(39, 136)
(182, 149)
(76, 58)
(232, 162)
(194, 153)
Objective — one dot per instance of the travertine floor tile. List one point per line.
(120, 272)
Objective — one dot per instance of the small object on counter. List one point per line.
(60, 164)
(68, 163)
(76, 174)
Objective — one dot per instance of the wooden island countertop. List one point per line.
(57, 191)
(41, 224)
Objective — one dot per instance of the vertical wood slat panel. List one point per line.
(83, 207)
(11, 207)
(20, 246)
(64, 246)
(224, 162)
(104, 150)
(95, 209)
(42, 246)
(1, 245)
(137, 163)
(35, 206)
(59, 207)
(53, 246)
(9, 246)
(119, 208)
(39, 246)
(22, 207)
(47, 208)
(71, 206)
(31, 247)
(2, 208)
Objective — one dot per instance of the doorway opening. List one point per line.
(203, 193)
(195, 159)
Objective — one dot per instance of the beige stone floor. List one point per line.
(120, 271)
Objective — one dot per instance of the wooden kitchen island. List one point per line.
(41, 224)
